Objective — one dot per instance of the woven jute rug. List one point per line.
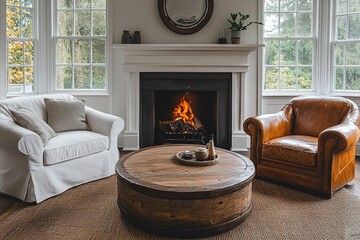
(90, 212)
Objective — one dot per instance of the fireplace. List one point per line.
(189, 108)
(132, 60)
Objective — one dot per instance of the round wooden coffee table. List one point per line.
(161, 195)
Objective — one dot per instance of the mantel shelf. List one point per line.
(187, 47)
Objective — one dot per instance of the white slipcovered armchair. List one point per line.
(33, 171)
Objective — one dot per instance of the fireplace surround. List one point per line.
(210, 97)
(131, 60)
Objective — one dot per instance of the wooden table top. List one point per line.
(156, 169)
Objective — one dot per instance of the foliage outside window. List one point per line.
(20, 41)
(289, 45)
(80, 44)
(346, 71)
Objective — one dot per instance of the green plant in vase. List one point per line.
(238, 24)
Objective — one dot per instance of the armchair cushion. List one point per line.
(66, 115)
(29, 120)
(297, 149)
(67, 145)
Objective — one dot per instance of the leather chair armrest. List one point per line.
(345, 135)
(269, 126)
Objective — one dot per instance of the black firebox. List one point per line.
(189, 108)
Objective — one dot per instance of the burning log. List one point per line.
(184, 121)
(179, 126)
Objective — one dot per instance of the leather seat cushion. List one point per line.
(73, 144)
(297, 149)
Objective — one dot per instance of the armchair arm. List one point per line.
(343, 136)
(15, 138)
(104, 123)
(269, 126)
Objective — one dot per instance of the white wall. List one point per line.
(143, 15)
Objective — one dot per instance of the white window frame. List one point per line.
(53, 58)
(333, 42)
(3, 60)
(315, 72)
(4, 51)
(324, 81)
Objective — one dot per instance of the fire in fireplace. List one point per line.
(184, 126)
(185, 108)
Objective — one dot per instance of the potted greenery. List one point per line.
(238, 24)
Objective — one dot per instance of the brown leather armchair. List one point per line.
(310, 143)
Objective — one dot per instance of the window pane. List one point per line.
(271, 52)
(354, 26)
(64, 77)
(81, 51)
(271, 76)
(339, 72)
(29, 82)
(287, 5)
(287, 78)
(304, 78)
(339, 54)
(27, 3)
(341, 6)
(288, 52)
(13, 2)
(63, 51)
(16, 75)
(82, 77)
(82, 23)
(341, 28)
(102, 4)
(65, 23)
(13, 21)
(271, 5)
(354, 6)
(64, 4)
(82, 4)
(98, 77)
(304, 23)
(353, 54)
(99, 23)
(15, 53)
(304, 5)
(352, 78)
(29, 52)
(287, 24)
(27, 24)
(99, 51)
(271, 24)
(305, 52)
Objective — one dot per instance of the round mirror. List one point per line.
(185, 16)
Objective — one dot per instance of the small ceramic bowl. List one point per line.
(188, 154)
(201, 154)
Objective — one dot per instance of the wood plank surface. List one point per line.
(158, 166)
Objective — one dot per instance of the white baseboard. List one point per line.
(240, 141)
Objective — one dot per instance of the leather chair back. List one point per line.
(312, 114)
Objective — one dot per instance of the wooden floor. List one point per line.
(353, 186)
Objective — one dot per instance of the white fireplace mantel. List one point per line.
(132, 59)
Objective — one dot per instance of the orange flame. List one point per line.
(184, 112)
